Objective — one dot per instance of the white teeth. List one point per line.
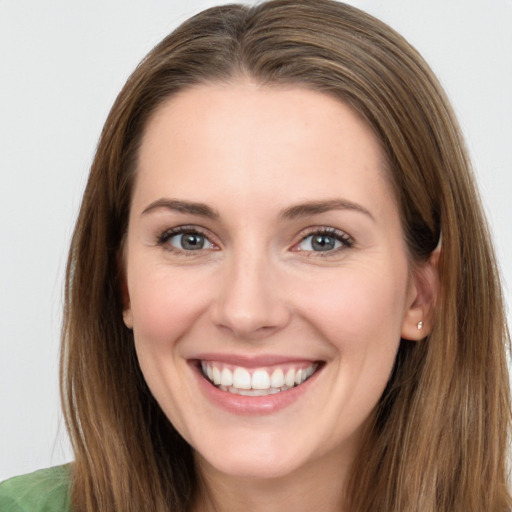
(253, 392)
(216, 376)
(226, 377)
(277, 379)
(260, 383)
(260, 380)
(308, 372)
(289, 380)
(241, 378)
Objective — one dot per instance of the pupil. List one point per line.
(192, 241)
(323, 243)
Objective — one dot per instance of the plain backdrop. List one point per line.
(62, 63)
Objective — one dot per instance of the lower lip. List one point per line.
(252, 405)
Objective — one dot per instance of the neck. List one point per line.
(319, 486)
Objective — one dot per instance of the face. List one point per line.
(268, 282)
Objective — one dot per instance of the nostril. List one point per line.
(247, 331)
(250, 324)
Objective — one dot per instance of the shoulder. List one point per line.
(46, 490)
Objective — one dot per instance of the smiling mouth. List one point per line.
(258, 381)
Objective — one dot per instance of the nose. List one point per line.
(251, 303)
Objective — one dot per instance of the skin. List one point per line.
(257, 287)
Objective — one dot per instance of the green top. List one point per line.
(46, 490)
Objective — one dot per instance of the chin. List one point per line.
(252, 468)
(259, 457)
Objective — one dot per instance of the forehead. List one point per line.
(242, 137)
(248, 105)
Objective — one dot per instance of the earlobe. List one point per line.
(418, 319)
(128, 318)
(125, 295)
(127, 310)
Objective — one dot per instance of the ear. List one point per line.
(423, 294)
(127, 316)
(125, 294)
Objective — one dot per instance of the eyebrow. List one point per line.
(291, 213)
(189, 207)
(317, 207)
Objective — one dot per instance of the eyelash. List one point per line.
(163, 239)
(345, 240)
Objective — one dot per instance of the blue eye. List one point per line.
(186, 240)
(324, 242)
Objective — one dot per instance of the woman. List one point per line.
(281, 292)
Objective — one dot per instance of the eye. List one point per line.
(324, 241)
(186, 239)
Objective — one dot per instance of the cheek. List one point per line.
(357, 306)
(164, 306)
(360, 317)
(359, 314)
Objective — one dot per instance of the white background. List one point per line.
(62, 63)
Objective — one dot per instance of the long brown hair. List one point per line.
(439, 436)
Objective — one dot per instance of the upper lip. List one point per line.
(252, 361)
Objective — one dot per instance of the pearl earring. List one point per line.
(420, 326)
